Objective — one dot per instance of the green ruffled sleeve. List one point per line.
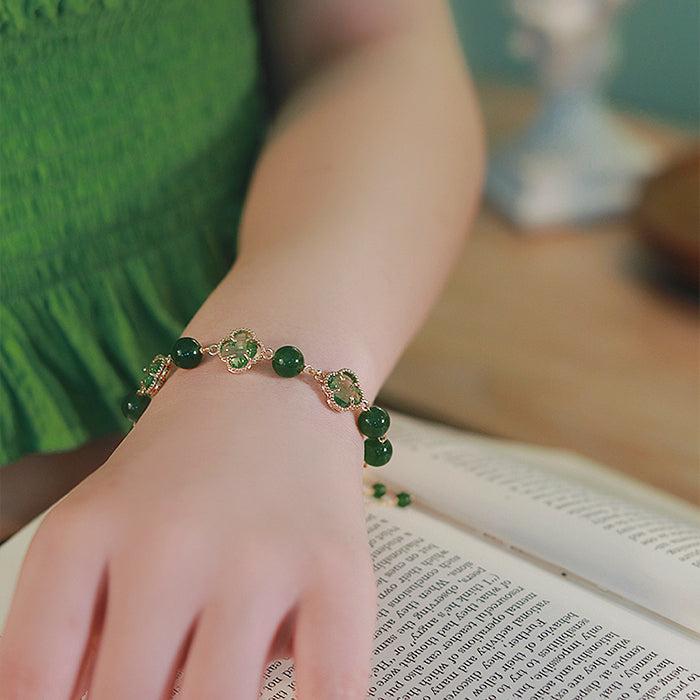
(129, 133)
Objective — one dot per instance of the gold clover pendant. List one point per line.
(154, 375)
(240, 350)
(343, 390)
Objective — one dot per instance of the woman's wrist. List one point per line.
(241, 351)
(323, 325)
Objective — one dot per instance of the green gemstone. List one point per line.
(238, 349)
(377, 453)
(379, 490)
(186, 353)
(238, 362)
(403, 499)
(150, 378)
(344, 386)
(134, 405)
(373, 423)
(341, 400)
(288, 361)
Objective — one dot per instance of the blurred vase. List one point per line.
(574, 161)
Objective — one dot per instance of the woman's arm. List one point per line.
(228, 526)
(366, 189)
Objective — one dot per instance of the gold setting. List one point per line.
(156, 378)
(341, 387)
(330, 393)
(251, 337)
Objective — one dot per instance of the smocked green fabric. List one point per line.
(128, 131)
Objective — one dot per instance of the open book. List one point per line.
(517, 573)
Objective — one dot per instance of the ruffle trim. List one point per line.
(71, 353)
(16, 15)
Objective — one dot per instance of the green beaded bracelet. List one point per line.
(240, 350)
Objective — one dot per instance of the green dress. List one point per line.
(128, 130)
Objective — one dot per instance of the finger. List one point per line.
(58, 594)
(150, 611)
(232, 643)
(333, 638)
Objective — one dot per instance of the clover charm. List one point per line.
(155, 375)
(240, 350)
(342, 388)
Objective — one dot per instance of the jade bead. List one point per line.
(377, 453)
(186, 353)
(373, 423)
(134, 405)
(379, 490)
(403, 499)
(288, 361)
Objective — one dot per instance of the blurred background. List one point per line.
(571, 320)
(658, 71)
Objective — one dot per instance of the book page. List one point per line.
(460, 618)
(646, 557)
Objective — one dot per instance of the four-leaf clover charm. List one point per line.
(342, 388)
(154, 375)
(240, 350)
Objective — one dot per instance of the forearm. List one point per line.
(358, 205)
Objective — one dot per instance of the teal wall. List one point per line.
(659, 65)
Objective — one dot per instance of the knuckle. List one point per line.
(62, 528)
(160, 551)
(257, 557)
(171, 539)
(336, 565)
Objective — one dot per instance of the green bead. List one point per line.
(377, 453)
(379, 490)
(288, 361)
(134, 405)
(186, 353)
(373, 423)
(403, 499)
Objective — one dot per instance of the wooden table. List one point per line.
(563, 340)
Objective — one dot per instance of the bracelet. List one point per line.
(377, 493)
(240, 350)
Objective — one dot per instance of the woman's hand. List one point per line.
(226, 530)
(230, 519)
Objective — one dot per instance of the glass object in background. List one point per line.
(574, 161)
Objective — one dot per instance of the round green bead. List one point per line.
(377, 453)
(403, 499)
(373, 423)
(134, 405)
(186, 353)
(379, 490)
(288, 361)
